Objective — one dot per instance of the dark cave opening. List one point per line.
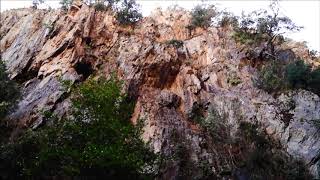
(84, 68)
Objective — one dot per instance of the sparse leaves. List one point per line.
(128, 13)
(201, 16)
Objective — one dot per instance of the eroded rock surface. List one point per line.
(43, 48)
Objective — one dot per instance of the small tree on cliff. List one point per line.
(129, 13)
(261, 27)
(202, 16)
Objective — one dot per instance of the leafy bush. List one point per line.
(270, 78)
(128, 13)
(99, 141)
(9, 92)
(314, 81)
(275, 77)
(100, 6)
(297, 74)
(201, 16)
(247, 38)
(175, 43)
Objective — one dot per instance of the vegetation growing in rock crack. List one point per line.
(257, 157)
(98, 141)
(175, 43)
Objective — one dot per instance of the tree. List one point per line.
(9, 92)
(262, 27)
(202, 16)
(99, 141)
(128, 13)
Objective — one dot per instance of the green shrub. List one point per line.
(100, 6)
(196, 113)
(275, 77)
(128, 13)
(9, 92)
(297, 74)
(247, 38)
(314, 81)
(202, 16)
(215, 125)
(270, 78)
(99, 141)
(175, 43)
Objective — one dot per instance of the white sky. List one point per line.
(304, 13)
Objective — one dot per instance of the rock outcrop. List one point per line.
(42, 48)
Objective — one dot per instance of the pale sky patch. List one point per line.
(303, 13)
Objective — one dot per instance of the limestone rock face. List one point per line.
(43, 48)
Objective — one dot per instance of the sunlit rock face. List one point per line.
(43, 48)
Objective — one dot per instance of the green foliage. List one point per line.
(270, 78)
(128, 13)
(100, 6)
(228, 19)
(9, 92)
(297, 74)
(99, 141)
(175, 43)
(264, 28)
(196, 113)
(314, 81)
(275, 77)
(263, 160)
(65, 4)
(247, 38)
(202, 16)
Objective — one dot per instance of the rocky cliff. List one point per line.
(41, 48)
